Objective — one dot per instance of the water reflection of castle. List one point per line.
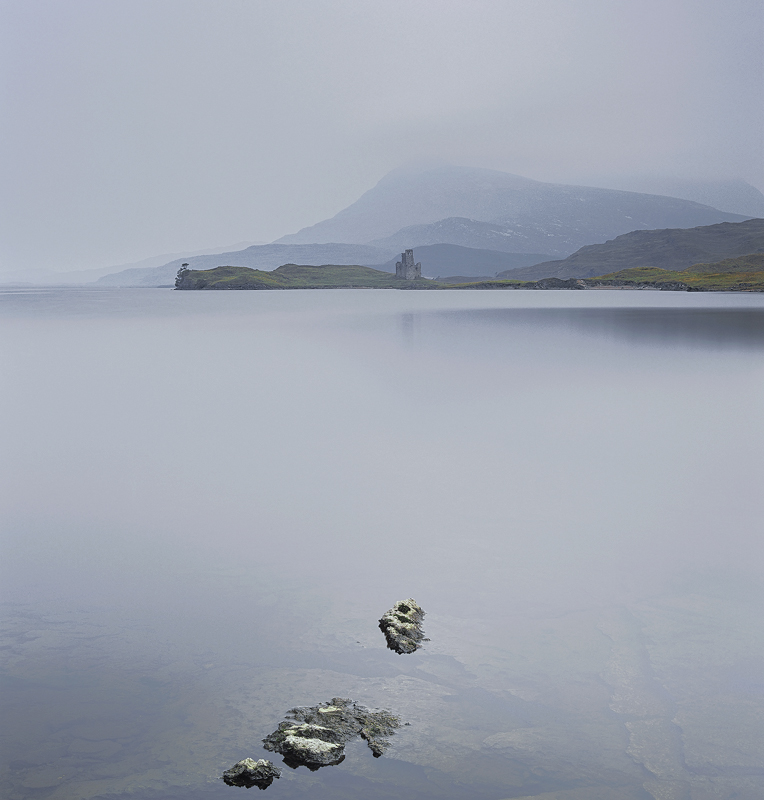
(406, 268)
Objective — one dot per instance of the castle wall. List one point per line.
(406, 268)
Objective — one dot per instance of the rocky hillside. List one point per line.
(669, 249)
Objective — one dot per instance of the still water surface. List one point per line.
(209, 499)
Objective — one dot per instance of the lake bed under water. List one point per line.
(210, 498)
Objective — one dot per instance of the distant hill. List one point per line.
(264, 257)
(439, 260)
(527, 215)
(670, 249)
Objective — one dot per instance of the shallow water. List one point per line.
(209, 499)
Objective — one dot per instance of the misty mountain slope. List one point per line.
(671, 249)
(441, 260)
(512, 238)
(570, 216)
(411, 197)
(735, 196)
(264, 256)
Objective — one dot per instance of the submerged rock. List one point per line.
(315, 736)
(402, 626)
(251, 773)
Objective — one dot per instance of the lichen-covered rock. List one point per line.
(315, 736)
(303, 744)
(251, 773)
(402, 626)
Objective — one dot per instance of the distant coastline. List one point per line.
(744, 274)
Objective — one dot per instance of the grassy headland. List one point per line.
(337, 276)
(742, 274)
(295, 276)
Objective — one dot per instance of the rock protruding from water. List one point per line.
(402, 626)
(251, 773)
(315, 736)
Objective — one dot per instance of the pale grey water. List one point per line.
(210, 498)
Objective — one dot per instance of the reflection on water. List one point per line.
(210, 500)
(691, 327)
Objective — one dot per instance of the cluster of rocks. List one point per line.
(249, 773)
(402, 626)
(315, 736)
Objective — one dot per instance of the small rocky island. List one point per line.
(315, 736)
(249, 773)
(402, 626)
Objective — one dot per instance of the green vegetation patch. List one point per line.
(724, 276)
(296, 276)
(497, 284)
(741, 274)
(744, 264)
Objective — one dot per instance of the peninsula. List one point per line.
(741, 272)
(296, 276)
(745, 274)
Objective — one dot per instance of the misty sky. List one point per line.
(134, 128)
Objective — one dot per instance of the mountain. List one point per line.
(670, 249)
(524, 212)
(440, 260)
(264, 257)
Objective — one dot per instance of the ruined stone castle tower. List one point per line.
(406, 268)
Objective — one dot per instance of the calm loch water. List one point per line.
(209, 499)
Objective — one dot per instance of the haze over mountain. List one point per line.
(84, 276)
(525, 212)
(732, 195)
(671, 249)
